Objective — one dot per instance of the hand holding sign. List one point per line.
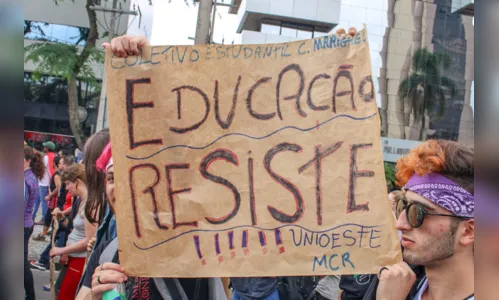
(249, 160)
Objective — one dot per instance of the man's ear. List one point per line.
(468, 236)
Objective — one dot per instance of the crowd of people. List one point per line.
(434, 209)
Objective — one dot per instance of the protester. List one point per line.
(63, 198)
(74, 178)
(328, 288)
(44, 182)
(34, 170)
(78, 155)
(96, 186)
(55, 185)
(436, 219)
(107, 272)
(95, 209)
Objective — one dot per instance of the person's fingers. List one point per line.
(126, 46)
(108, 274)
(108, 277)
(134, 50)
(340, 31)
(406, 270)
(352, 31)
(121, 45)
(114, 48)
(110, 266)
(106, 45)
(118, 47)
(102, 288)
(141, 41)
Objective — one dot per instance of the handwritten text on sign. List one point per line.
(254, 160)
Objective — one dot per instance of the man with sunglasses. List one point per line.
(437, 225)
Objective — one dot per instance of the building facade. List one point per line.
(397, 30)
(46, 99)
(278, 21)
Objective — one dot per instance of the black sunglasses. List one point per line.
(416, 213)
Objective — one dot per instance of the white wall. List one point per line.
(317, 10)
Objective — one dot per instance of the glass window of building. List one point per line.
(271, 29)
(42, 31)
(304, 34)
(290, 32)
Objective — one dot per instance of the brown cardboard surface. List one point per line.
(249, 160)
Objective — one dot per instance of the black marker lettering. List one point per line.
(179, 106)
(171, 193)
(147, 190)
(317, 160)
(130, 106)
(354, 174)
(276, 214)
(230, 117)
(347, 75)
(228, 156)
(299, 71)
(250, 97)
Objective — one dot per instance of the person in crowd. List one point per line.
(95, 209)
(55, 185)
(78, 155)
(44, 182)
(102, 277)
(437, 220)
(328, 288)
(96, 186)
(63, 197)
(82, 230)
(34, 169)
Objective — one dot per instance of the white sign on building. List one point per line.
(393, 149)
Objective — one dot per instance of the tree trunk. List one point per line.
(74, 120)
(93, 34)
(203, 23)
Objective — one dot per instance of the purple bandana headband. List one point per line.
(444, 193)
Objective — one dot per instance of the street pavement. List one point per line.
(40, 277)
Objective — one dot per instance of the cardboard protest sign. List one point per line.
(249, 160)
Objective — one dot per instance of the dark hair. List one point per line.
(96, 202)
(73, 173)
(451, 159)
(68, 160)
(57, 159)
(36, 161)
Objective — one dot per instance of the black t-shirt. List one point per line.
(61, 199)
(144, 288)
(355, 286)
(52, 181)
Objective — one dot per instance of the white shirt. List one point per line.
(423, 286)
(45, 181)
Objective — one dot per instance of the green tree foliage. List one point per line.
(425, 88)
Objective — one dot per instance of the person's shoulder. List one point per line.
(97, 252)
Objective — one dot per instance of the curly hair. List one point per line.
(451, 159)
(36, 161)
(73, 173)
